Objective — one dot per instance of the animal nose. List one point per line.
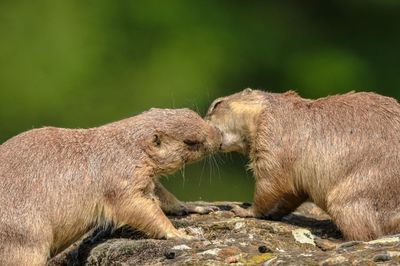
(215, 142)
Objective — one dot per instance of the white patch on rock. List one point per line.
(181, 247)
(303, 236)
(239, 225)
(216, 242)
(207, 242)
(338, 260)
(385, 240)
(229, 240)
(394, 254)
(212, 252)
(268, 262)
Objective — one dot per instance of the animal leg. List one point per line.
(270, 202)
(171, 205)
(144, 213)
(286, 205)
(356, 220)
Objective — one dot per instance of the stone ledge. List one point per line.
(306, 237)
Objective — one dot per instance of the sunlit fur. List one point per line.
(56, 184)
(342, 152)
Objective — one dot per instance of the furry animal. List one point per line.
(56, 184)
(342, 152)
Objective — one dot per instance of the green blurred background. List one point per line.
(81, 64)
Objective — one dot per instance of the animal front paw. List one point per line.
(176, 210)
(179, 235)
(240, 211)
(194, 208)
(185, 208)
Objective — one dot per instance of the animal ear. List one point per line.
(156, 140)
(212, 107)
(216, 103)
(247, 91)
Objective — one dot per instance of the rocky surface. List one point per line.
(306, 237)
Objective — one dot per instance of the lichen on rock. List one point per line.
(222, 239)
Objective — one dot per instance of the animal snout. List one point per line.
(215, 139)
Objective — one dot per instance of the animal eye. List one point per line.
(193, 145)
(156, 140)
(191, 142)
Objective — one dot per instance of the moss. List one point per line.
(257, 259)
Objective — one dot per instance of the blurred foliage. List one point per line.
(85, 63)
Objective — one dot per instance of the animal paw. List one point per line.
(193, 208)
(242, 212)
(176, 210)
(179, 235)
(184, 209)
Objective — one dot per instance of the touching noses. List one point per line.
(215, 139)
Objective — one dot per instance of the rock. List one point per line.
(381, 257)
(269, 262)
(350, 244)
(239, 225)
(385, 240)
(229, 252)
(181, 247)
(305, 237)
(324, 244)
(256, 260)
(264, 249)
(195, 231)
(170, 255)
(232, 259)
(212, 252)
(337, 260)
(229, 241)
(394, 254)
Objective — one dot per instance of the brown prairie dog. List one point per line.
(56, 184)
(342, 152)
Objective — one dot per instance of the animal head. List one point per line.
(236, 117)
(178, 137)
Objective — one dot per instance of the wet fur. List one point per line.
(56, 184)
(342, 152)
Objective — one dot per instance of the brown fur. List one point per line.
(343, 152)
(56, 184)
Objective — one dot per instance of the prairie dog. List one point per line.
(342, 152)
(56, 184)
